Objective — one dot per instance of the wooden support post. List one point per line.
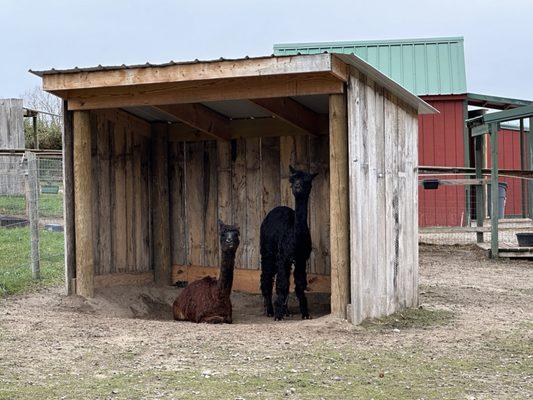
(32, 200)
(83, 213)
(523, 163)
(495, 195)
(160, 205)
(68, 201)
(480, 190)
(530, 167)
(339, 212)
(35, 138)
(466, 145)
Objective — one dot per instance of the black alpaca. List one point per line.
(285, 240)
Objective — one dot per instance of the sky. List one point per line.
(66, 33)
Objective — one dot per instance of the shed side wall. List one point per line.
(11, 137)
(383, 158)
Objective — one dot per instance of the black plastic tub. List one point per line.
(525, 239)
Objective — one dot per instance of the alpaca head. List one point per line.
(229, 237)
(301, 182)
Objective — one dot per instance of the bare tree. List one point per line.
(48, 121)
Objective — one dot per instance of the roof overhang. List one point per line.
(214, 80)
(495, 102)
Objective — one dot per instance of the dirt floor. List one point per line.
(471, 338)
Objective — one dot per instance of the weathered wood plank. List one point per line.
(194, 203)
(244, 280)
(130, 202)
(94, 120)
(194, 92)
(339, 211)
(253, 202)
(239, 199)
(211, 244)
(68, 200)
(176, 162)
(137, 202)
(119, 211)
(319, 205)
(287, 157)
(146, 259)
(270, 174)
(224, 182)
(83, 205)
(160, 205)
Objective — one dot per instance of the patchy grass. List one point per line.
(50, 205)
(500, 365)
(15, 270)
(412, 318)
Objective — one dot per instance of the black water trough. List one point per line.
(7, 221)
(525, 239)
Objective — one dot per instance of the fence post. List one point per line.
(32, 196)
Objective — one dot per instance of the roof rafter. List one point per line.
(200, 117)
(292, 112)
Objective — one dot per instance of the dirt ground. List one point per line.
(472, 338)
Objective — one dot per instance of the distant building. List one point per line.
(434, 69)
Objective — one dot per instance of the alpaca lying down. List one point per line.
(208, 299)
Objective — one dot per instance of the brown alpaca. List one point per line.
(208, 299)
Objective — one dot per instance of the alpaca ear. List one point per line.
(221, 226)
(313, 176)
(292, 169)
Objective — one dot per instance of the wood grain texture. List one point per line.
(339, 211)
(270, 174)
(239, 199)
(210, 205)
(194, 202)
(244, 280)
(68, 200)
(176, 170)
(83, 204)
(160, 205)
(253, 202)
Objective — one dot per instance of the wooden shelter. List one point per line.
(155, 154)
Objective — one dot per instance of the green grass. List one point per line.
(50, 205)
(421, 318)
(15, 271)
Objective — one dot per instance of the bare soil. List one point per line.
(472, 338)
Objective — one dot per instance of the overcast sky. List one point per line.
(67, 33)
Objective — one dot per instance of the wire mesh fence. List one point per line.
(448, 214)
(31, 221)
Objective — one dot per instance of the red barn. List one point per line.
(434, 69)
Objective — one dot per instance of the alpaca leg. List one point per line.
(268, 270)
(300, 285)
(282, 291)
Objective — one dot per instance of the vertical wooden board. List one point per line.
(137, 201)
(391, 129)
(119, 165)
(402, 155)
(319, 205)
(210, 205)
(301, 152)
(253, 202)
(94, 120)
(355, 193)
(372, 201)
(270, 174)
(68, 200)
(194, 192)
(287, 149)
(239, 199)
(224, 182)
(130, 202)
(146, 250)
(414, 194)
(381, 205)
(104, 198)
(176, 168)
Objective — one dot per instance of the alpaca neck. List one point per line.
(225, 279)
(300, 223)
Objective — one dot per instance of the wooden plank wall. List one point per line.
(240, 182)
(11, 137)
(121, 192)
(383, 200)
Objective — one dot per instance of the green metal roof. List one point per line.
(432, 66)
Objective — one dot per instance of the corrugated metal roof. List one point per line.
(431, 66)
